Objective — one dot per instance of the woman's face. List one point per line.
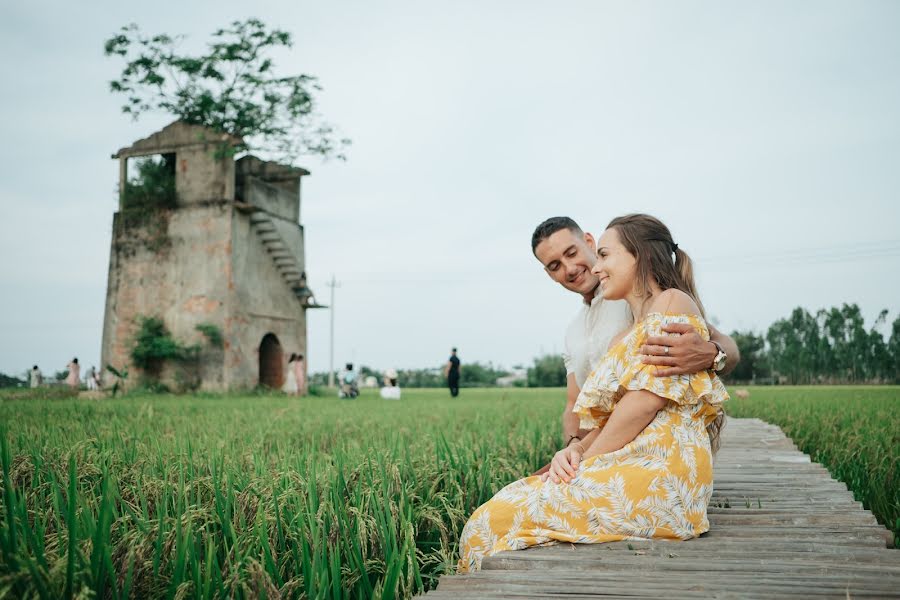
(615, 267)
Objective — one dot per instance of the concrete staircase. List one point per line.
(285, 260)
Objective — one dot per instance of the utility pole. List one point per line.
(332, 284)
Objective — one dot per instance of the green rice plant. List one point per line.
(854, 431)
(221, 496)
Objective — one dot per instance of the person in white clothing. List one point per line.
(37, 379)
(568, 254)
(390, 391)
(290, 381)
(91, 379)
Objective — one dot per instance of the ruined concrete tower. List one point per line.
(221, 247)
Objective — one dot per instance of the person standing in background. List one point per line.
(91, 379)
(451, 372)
(36, 377)
(74, 378)
(300, 374)
(290, 381)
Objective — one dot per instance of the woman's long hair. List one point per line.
(650, 242)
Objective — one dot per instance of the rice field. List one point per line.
(266, 496)
(853, 430)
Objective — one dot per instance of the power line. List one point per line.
(777, 258)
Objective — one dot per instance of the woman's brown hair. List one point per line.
(650, 242)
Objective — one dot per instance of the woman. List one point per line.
(73, 379)
(290, 382)
(300, 375)
(645, 469)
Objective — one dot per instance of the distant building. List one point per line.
(229, 253)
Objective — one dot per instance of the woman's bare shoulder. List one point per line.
(675, 301)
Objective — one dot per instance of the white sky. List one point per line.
(765, 134)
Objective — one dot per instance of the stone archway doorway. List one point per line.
(270, 362)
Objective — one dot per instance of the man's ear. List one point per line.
(590, 241)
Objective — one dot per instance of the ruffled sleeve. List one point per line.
(621, 370)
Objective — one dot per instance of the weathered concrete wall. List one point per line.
(200, 177)
(186, 283)
(273, 199)
(261, 303)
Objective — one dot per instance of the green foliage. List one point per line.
(754, 364)
(153, 187)
(421, 378)
(153, 345)
(121, 378)
(894, 350)
(231, 88)
(147, 199)
(831, 347)
(212, 333)
(473, 374)
(61, 375)
(257, 496)
(9, 381)
(44, 392)
(478, 375)
(548, 371)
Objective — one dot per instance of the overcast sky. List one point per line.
(765, 134)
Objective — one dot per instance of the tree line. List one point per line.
(831, 346)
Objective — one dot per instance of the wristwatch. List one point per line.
(721, 358)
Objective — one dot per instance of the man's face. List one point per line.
(568, 258)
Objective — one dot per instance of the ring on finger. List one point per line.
(666, 350)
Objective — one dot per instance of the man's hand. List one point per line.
(687, 353)
(564, 465)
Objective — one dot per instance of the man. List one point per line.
(568, 255)
(451, 372)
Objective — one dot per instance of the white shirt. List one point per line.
(390, 392)
(589, 334)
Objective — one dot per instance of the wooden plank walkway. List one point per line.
(780, 526)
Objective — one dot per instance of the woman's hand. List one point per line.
(564, 464)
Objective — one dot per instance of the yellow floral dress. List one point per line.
(656, 486)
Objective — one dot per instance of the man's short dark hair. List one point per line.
(551, 226)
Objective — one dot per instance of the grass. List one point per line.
(250, 496)
(854, 431)
(253, 496)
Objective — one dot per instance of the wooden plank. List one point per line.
(711, 565)
(572, 583)
(780, 527)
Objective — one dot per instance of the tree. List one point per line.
(894, 349)
(548, 371)
(753, 364)
(478, 375)
(11, 381)
(231, 88)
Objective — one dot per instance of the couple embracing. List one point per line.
(644, 402)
